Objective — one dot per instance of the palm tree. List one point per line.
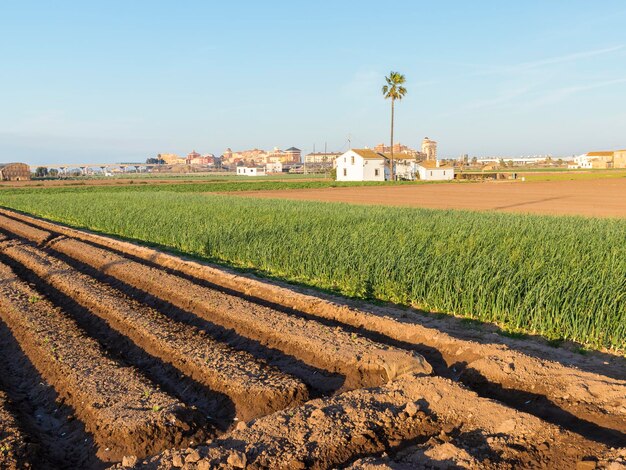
(395, 91)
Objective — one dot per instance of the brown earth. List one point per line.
(594, 198)
(386, 387)
(12, 443)
(115, 402)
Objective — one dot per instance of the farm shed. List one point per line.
(14, 172)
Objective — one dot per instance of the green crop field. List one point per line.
(216, 186)
(561, 277)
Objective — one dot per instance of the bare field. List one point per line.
(120, 354)
(593, 198)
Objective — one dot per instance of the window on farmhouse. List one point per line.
(431, 173)
(376, 172)
(345, 172)
(352, 160)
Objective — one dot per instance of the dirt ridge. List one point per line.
(114, 402)
(255, 388)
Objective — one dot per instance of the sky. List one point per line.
(120, 81)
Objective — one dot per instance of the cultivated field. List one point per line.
(589, 197)
(526, 274)
(117, 353)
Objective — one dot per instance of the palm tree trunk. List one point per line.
(392, 172)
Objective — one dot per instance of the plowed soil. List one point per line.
(595, 198)
(120, 354)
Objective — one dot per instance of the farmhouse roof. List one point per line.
(600, 154)
(433, 164)
(369, 154)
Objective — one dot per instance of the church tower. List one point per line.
(429, 148)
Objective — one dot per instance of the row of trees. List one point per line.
(43, 172)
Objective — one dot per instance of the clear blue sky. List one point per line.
(124, 80)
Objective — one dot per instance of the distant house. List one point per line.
(369, 165)
(14, 172)
(251, 171)
(430, 170)
(601, 160)
(362, 165)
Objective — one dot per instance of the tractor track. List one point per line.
(253, 372)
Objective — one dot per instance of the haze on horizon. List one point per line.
(122, 81)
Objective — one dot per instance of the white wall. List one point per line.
(435, 174)
(248, 171)
(352, 167)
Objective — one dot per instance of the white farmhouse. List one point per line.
(251, 171)
(362, 165)
(430, 170)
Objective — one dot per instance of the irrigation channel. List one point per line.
(115, 354)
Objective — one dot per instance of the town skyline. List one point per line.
(120, 82)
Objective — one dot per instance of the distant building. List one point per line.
(429, 149)
(399, 149)
(193, 154)
(194, 158)
(431, 171)
(261, 157)
(276, 167)
(517, 161)
(321, 157)
(369, 165)
(361, 165)
(598, 160)
(14, 172)
(171, 159)
(294, 155)
(251, 171)
(619, 159)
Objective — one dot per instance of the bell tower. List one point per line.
(429, 148)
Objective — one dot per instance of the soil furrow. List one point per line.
(330, 432)
(13, 445)
(362, 361)
(124, 411)
(256, 389)
(319, 381)
(55, 438)
(217, 409)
